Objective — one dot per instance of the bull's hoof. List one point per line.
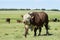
(39, 34)
(34, 35)
(47, 34)
(25, 36)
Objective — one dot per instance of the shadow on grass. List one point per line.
(46, 35)
(6, 34)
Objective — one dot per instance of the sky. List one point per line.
(47, 4)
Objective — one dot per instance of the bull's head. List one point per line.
(27, 17)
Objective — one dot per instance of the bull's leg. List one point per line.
(35, 29)
(26, 30)
(46, 26)
(39, 31)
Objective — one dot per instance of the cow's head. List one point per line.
(27, 17)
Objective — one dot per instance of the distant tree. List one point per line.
(36, 9)
(43, 9)
(27, 9)
(54, 9)
(22, 9)
(7, 9)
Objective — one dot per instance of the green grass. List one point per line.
(17, 14)
(15, 31)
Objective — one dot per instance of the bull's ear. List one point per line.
(32, 17)
(22, 16)
(30, 13)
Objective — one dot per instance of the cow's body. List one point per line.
(37, 19)
(8, 20)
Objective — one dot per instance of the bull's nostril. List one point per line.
(23, 22)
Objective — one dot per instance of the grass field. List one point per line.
(15, 31)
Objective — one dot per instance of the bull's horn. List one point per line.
(29, 12)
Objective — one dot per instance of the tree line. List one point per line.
(31, 9)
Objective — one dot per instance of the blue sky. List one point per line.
(47, 4)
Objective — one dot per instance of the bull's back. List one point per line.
(40, 18)
(43, 16)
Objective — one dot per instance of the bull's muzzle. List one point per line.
(23, 21)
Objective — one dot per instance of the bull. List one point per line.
(37, 19)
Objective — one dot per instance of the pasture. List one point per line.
(15, 31)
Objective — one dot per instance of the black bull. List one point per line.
(38, 19)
